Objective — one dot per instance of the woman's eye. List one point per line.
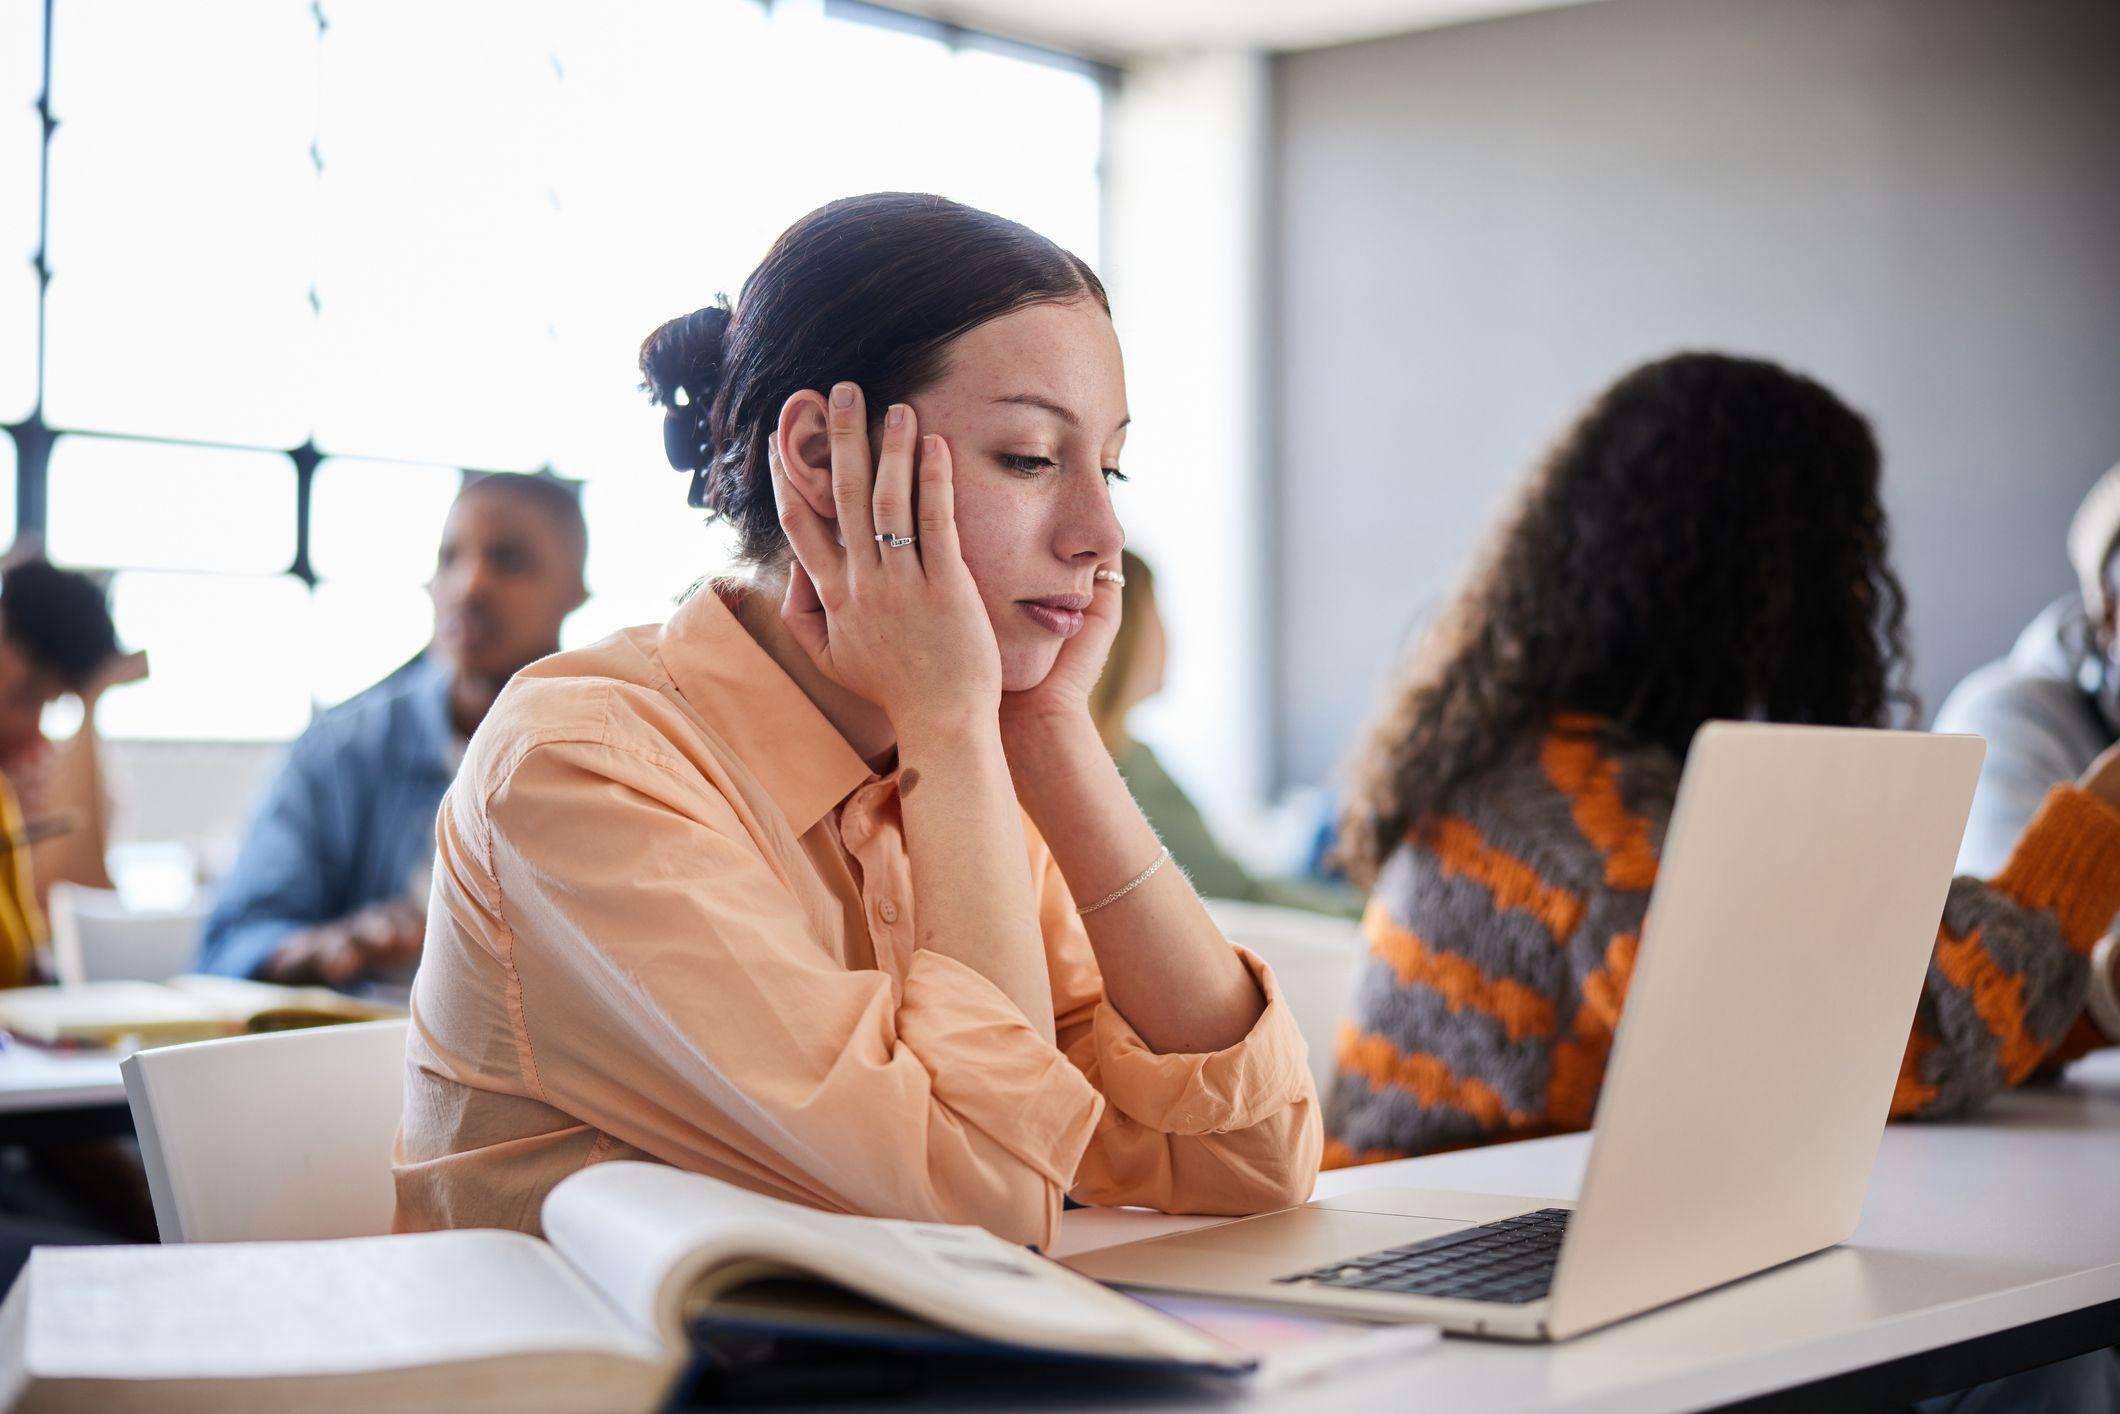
(1027, 466)
(1112, 473)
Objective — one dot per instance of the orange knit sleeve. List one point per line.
(2000, 1005)
(2069, 861)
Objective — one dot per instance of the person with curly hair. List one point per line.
(1706, 542)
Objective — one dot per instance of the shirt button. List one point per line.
(888, 910)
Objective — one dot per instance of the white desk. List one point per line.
(37, 1081)
(1971, 1229)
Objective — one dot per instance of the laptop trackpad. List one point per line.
(1314, 1235)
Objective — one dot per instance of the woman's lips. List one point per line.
(1055, 616)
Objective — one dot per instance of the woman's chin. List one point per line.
(1024, 666)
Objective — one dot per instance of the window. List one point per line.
(156, 505)
(180, 215)
(300, 273)
(21, 166)
(227, 653)
(374, 527)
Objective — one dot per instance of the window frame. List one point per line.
(34, 438)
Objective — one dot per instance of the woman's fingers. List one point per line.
(852, 481)
(809, 533)
(893, 500)
(938, 505)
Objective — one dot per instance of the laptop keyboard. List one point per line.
(1509, 1262)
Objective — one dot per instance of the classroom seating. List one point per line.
(1313, 959)
(97, 937)
(272, 1137)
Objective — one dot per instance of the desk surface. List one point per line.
(37, 1081)
(1971, 1228)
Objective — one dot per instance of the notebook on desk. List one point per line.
(190, 1008)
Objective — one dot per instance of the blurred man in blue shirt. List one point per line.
(331, 882)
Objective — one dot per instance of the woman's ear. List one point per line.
(803, 442)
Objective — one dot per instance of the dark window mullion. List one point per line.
(33, 440)
(306, 457)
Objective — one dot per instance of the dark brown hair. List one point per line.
(870, 290)
(59, 618)
(1706, 542)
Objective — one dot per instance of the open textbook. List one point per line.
(190, 1008)
(643, 1268)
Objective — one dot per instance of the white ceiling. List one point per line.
(1118, 29)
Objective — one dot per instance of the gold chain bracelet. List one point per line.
(1129, 886)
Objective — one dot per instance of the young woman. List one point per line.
(1707, 542)
(827, 887)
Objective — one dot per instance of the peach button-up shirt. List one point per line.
(673, 919)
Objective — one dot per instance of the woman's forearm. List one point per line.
(1166, 967)
(971, 877)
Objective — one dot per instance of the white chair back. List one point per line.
(1313, 959)
(272, 1137)
(96, 938)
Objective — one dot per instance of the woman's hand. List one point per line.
(902, 626)
(2102, 777)
(1062, 699)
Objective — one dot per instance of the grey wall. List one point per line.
(1916, 201)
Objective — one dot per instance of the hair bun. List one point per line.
(680, 369)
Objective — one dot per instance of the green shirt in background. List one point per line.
(1214, 873)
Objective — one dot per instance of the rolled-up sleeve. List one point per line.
(1229, 1132)
(667, 986)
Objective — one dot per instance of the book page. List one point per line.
(651, 1237)
(344, 1306)
(630, 1232)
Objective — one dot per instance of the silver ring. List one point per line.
(896, 542)
(1112, 577)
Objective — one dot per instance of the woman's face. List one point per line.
(1033, 406)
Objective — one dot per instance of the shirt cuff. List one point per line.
(989, 1066)
(2069, 861)
(1211, 1092)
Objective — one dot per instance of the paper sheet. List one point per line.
(201, 1311)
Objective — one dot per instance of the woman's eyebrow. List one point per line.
(1065, 414)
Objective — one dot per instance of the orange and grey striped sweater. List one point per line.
(1502, 937)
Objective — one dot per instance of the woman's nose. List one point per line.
(1092, 531)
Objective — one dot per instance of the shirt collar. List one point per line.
(752, 704)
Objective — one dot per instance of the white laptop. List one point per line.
(1802, 881)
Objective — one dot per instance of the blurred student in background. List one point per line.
(2053, 705)
(1133, 674)
(1706, 543)
(331, 882)
(56, 638)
